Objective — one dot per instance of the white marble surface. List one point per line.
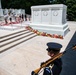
(50, 15)
(26, 57)
(1, 11)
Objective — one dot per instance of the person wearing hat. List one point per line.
(55, 68)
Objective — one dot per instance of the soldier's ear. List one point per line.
(52, 54)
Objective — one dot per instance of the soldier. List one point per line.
(10, 17)
(6, 18)
(56, 67)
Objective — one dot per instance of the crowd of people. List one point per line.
(10, 17)
(15, 15)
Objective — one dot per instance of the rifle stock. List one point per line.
(35, 72)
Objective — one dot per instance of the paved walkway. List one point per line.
(26, 57)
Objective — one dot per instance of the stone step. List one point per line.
(13, 36)
(4, 36)
(10, 45)
(15, 39)
(10, 27)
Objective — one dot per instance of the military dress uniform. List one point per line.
(55, 68)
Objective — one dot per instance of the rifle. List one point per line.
(49, 61)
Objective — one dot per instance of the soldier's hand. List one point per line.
(42, 63)
(33, 73)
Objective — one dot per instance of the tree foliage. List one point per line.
(26, 4)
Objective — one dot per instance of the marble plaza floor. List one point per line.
(26, 57)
